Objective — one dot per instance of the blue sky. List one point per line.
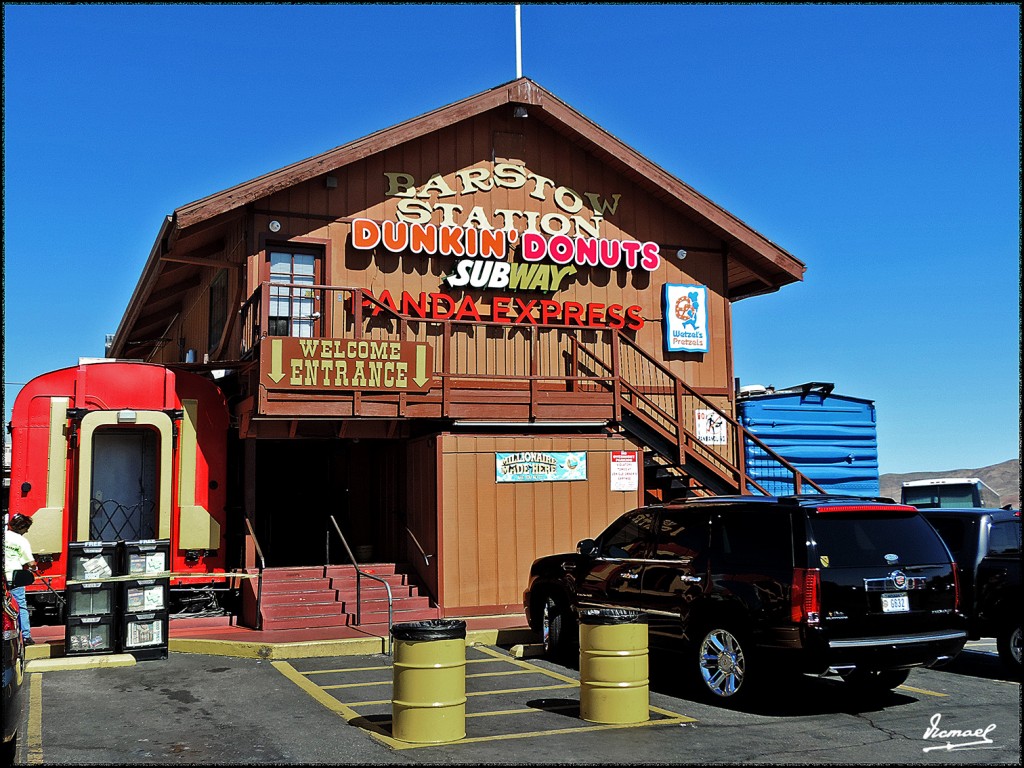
(878, 144)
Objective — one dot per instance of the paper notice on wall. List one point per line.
(710, 427)
(625, 470)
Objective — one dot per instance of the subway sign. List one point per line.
(345, 364)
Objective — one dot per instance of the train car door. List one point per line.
(124, 488)
(124, 476)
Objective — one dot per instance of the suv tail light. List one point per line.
(11, 619)
(805, 596)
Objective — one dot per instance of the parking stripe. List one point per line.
(35, 720)
(379, 726)
(922, 691)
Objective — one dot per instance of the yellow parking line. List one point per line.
(377, 729)
(923, 691)
(350, 669)
(500, 674)
(377, 702)
(35, 720)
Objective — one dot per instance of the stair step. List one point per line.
(302, 610)
(377, 569)
(295, 598)
(399, 616)
(377, 592)
(349, 582)
(378, 606)
(296, 585)
(307, 622)
(284, 574)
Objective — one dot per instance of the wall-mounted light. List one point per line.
(331, 182)
(274, 226)
(681, 254)
(519, 111)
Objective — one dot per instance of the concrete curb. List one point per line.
(361, 646)
(80, 662)
(40, 658)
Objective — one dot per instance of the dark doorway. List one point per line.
(124, 489)
(301, 484)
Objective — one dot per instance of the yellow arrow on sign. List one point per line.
(275, 373)
(421, 363)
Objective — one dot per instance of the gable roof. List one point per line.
(756, 264)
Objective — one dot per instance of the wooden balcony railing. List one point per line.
(533, 367)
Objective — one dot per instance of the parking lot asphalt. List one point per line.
(520, 709)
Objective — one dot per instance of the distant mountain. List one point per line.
(1002, 478)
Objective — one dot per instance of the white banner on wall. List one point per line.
(710, 427)
(686, 318)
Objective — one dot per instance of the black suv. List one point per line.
(744, 585)
(986, 546)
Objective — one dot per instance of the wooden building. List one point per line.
(469, 340)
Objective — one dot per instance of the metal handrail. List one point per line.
(259, 581)
(426, 557)
(359, 574)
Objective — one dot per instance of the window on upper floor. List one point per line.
(218, 308)
(294, 309)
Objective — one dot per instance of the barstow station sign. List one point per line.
(551, 248)
(542, 258)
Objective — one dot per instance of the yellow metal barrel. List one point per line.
(614, 685)
(428, 702)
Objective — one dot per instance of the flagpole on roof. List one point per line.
(519, 43)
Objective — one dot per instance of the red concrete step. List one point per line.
(377, 618)
(296, 585)
(302, 610)
(376, 606)
(377, 569)
(349, 582)
(311, 598)
(307, 622)
(284, 574)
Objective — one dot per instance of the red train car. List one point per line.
(116, 450)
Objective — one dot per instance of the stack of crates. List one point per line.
(126, 608)
(144, 598)
(92, 626)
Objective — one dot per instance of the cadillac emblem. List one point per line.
(899, 579)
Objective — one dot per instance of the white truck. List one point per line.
(958, 492)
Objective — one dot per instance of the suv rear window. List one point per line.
(1004, 538)
(860, 539)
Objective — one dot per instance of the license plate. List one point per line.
(895, 603)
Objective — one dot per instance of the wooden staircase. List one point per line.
(325, 596)
(658, 408)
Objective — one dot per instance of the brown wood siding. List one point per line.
(640, 216)
(494, 531)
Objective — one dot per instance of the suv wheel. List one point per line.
(723, 665)
(875, 681)
(557, 625)
(1008, 643)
